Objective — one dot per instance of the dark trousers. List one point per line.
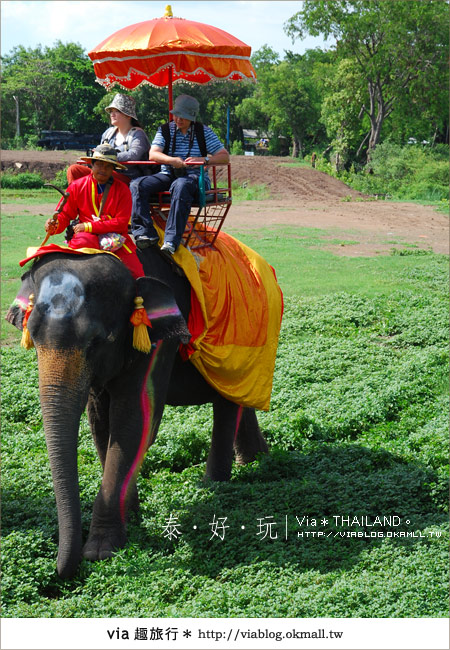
(183, 193)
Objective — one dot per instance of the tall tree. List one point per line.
(394, 44)
(340, 110)
(284, 101)
(288, 102)
(74, 70)
(28, 75)
(54, 87)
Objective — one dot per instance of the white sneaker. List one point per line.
(169, 247)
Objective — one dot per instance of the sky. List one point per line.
(88, 22)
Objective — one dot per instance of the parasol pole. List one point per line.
(170, 92)
(168, 14)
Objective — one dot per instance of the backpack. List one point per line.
(112, 131)
(144, 169)
(165, 130)
(199, 134)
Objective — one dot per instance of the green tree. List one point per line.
(394, 45)
(54, 87)
(73, 69)
(264, 58)
(28, 75)
(340, 111)
(284, 101)
(214, 100)
(289, 103)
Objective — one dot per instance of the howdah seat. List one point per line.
(207, 216)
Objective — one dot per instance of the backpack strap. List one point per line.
(165, 130)
(109, 134)
(199, 134)
(129, 137)
(112, 132)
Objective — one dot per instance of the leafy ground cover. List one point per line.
(357, 429)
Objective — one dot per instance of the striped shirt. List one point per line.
(213, 145)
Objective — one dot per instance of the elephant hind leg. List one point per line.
(220, 458)
(249, 440)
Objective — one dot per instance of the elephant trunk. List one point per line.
(63, 388)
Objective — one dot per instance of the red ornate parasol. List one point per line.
(165, 50)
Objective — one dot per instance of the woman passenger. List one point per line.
(126, 136)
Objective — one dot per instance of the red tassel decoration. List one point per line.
(140, 320)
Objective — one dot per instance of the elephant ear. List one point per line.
(16, 312)
(162, 310)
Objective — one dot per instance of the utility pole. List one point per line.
(16, 99)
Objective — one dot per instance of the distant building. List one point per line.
(255, 142)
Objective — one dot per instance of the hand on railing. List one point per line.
(194, 162)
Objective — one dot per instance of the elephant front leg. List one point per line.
(108, 525)
(98, 415)
(136, 404)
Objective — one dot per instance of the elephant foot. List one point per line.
(244, 459)
(249, 442)
(217, 475)
(101, 545)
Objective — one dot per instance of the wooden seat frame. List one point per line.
(206, 217)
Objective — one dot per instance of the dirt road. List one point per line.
(301, 197)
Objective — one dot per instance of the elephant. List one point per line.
(80, 327)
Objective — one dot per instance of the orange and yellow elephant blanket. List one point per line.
(235, 319)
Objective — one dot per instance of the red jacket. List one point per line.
(84, 202)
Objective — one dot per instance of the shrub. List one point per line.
(60, 179)
(237, 149)
(22, 142)
(411, 172)
(24, 181)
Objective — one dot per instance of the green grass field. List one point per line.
(358, 428)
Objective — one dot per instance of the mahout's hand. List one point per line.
(51, 226)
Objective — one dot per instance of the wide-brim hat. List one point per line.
(106, 153)
(125, 104)
(187, 107)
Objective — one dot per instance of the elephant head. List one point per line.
(80, 327)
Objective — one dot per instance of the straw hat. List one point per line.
(106, 153)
